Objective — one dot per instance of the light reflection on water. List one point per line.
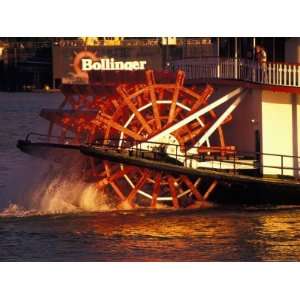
(208, 235)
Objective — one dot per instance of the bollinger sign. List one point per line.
(88, 64)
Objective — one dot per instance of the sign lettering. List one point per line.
(88, 64)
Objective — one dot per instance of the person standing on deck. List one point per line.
(261, 57)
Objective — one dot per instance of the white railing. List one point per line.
(280, 74)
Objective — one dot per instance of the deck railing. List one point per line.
(280, 74)
(264, 163)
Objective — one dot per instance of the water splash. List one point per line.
(43, 188)
(14, 210)
(65, 196)
(60, 198)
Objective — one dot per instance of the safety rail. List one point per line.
(46, 138)
(279, 74)
(237, 159)
(252, 160)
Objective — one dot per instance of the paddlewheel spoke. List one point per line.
(210, 189)
(151, 82)
(193, 188)
(156, 190)
(172, 187)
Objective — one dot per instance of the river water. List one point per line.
(38, 221)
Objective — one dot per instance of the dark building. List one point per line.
(33, 63)
(25, 65)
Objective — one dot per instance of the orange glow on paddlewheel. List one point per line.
(137, 113)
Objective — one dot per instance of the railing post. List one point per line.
(235, 58)
(289, 75)
(280, 74)
(284, 75)
(253, 72)
(281, 165)
(298, 76)
(234, 66)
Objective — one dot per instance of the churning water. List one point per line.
(47, 215)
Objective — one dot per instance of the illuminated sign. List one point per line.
(88, 64)
(86, 61)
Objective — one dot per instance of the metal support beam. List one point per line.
(219, 122)
(196, 115)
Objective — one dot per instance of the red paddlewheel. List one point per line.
(143, 113)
